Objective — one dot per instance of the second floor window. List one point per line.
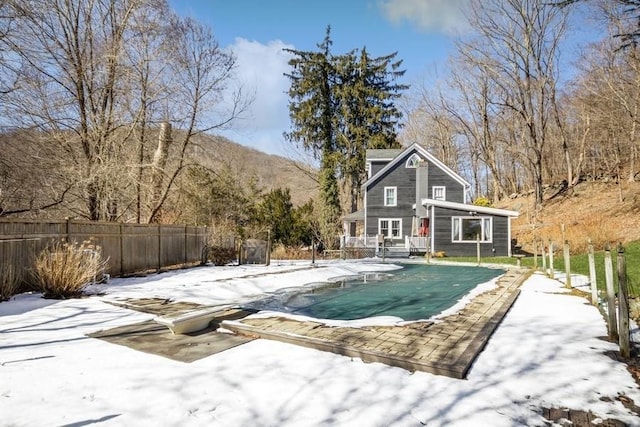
(413, 161)
(439, 193)
(390, 196)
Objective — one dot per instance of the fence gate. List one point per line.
(254, 251)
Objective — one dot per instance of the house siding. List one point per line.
(405, 182)
(404, 179)
(441, 229)
(377, 165)
(438, 177)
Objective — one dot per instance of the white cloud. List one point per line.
(260, 72)
(441, 16)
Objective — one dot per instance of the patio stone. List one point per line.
(448, 347)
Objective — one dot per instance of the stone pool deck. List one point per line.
(446, 347)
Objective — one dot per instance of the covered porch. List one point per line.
(353, 236)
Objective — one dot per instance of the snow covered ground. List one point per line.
(547, 352)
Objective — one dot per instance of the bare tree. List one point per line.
(71, 54)
(431, 125)
(477, 111)
(518, 44)
(201, 71)
(606, 100)
(95, 78)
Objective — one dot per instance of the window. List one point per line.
(413, 161)
(390, 227)
(468, 229)
(439, 192)
(390, 196)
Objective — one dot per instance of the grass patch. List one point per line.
(580, 265)
(10, 279)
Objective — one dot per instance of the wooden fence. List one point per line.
(129, 248)
(617, 304)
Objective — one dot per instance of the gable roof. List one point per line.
(399, 157)
(383, 153)
(469, 208)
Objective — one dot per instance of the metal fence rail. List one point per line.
(129, 248)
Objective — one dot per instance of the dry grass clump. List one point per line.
(591, 230)
(10, 279)
(287, 252)
(577, 234)
(64, 269)
(590, 211)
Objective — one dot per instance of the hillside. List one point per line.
(41, 178)
(271, 171)
(590, 210)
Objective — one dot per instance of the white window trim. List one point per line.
(444, 192)
(369, 168)
(413, 161)
(390, 230)
(485, 220)
(395, 196)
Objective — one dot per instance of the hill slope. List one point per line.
(604, 212)
(270, 170)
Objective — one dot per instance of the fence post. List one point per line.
(121, 250)
(611, 297)
(159, 247)
(544, 257)
(623, 305)
(313, 251)
(268, 254)
(478, 247)
(535, 254)
(551, 273)
(186, 242)
(592, 275)
(567, 264)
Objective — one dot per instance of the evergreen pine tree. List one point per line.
(312, 108)
(340, 106)
(368, 117)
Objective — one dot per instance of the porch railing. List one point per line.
(410, 242)
(414, 242)
(360, 242)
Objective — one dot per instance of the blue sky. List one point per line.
(422, 32)
(419, 30)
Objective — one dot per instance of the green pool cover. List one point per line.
(412, 293)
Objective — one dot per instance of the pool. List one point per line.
(416, 291)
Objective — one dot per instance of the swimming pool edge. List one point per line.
(450, 350)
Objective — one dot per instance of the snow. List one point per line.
(547, 352)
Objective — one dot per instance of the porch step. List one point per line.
(395, 252)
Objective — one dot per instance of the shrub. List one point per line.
(220, 248)
(482, 201)
(10, 279)
(220, 255)
(64, 269)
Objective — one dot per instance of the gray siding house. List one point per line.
(415, 202)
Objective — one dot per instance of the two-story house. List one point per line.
(413, 200)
